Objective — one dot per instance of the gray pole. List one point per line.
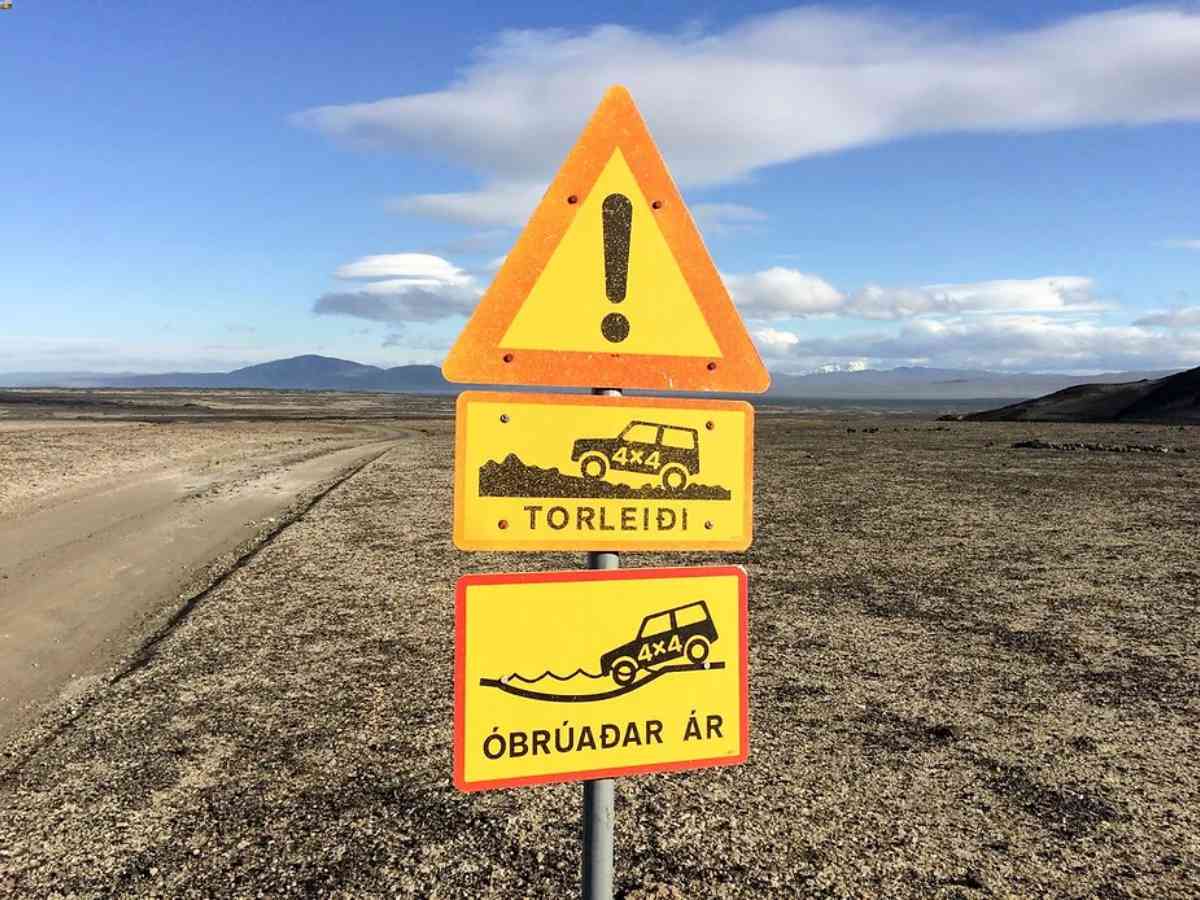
(598, 795)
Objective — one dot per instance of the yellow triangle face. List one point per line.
(573, 304)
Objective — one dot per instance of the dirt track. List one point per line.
(974, 672)
(82, 567)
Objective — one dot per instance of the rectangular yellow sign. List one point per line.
(577, 472)
(564, 676)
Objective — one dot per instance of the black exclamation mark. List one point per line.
(617, 218)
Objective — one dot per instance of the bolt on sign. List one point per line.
(573, 472)
(610, 284)
(565, 676)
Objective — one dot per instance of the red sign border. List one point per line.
(460, 665)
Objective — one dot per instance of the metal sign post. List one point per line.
(599, 795)
(598, 815)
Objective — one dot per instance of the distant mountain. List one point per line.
(299, 373)
(303, 372)
(922, 383)
(411, 379)
(312, 372)
(1175, 398)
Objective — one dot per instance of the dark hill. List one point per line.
(1175, 398)
(308, 371)
(421, 379)
(299, 373)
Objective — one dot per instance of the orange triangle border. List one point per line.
(477, 357)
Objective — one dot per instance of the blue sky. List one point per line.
(202, 186)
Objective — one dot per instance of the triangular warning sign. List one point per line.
(610, 284)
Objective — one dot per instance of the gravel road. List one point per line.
(82, 567)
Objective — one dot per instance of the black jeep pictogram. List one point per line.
(686, 630)
(651, 448)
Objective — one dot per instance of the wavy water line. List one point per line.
(548, 674)
(653, 674)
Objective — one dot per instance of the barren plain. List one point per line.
(975, 671)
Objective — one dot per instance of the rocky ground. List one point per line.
(974, 672)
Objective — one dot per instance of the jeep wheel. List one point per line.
(697, 650)
(624, 670)
(674, 478)
(593, 465)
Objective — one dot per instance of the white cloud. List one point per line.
(1049, 294)
(390, 287)
(1185, 317)
(783, 293)
(1011, 342)
(1183, 243)
(418, 268)
(775, 88)
(773, 342)
(499, 204)
(409, 287)
(780, 293)
(716, 218)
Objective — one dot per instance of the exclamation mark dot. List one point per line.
(617, 218)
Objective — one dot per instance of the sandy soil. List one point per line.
(974, 672)
(101, 525)
(46, 460)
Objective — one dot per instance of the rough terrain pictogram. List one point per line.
(668, 454)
